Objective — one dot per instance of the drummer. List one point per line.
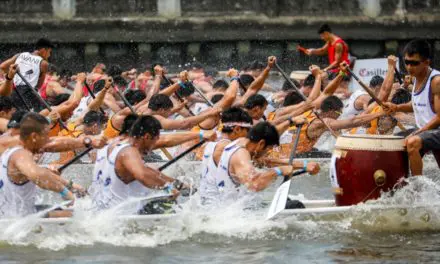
(425, 104)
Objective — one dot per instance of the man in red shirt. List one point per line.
(335, 48)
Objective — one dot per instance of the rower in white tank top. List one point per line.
(349, 108)
(15, 199)
(208, 188)
(228, 189)
(421, 100)
(113, 190)
(29, 66)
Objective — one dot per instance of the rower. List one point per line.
(256, 105)
(235, 171)
(335, 48)
(358, 101)
(7, 109)
(124, 173)
(20, 175)
(235, 124)
(33, 66)
(425, 104)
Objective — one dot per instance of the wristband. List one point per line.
(201, 135)
(7, 78)
(48, 120)
(182, 84)
(235, 79)
(64, 192)
(305, 162)
(169, 188)
(278, 171)
(342, 73)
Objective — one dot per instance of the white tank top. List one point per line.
(82, 107)
(15, 199)
(349, 108)
(208, 188)
(422, 107)
(29, 66)
(98, 178)
(227, 188)
(113, 190)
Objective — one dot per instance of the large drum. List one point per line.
(364, 166)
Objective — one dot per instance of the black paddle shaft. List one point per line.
(166, 165)
(74, 159)
(93, 96)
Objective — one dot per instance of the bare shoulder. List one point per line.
(435, 84)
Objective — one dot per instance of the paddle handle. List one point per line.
(74, 159)
(399, 76)
(41, 99)
(181, 155)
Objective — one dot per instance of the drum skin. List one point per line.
(355, 171)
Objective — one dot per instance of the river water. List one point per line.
(236, 236)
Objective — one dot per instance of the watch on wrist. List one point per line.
(87, 142)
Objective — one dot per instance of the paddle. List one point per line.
(304, 98)
(164, 150)
(204, 97)
(41, 99)
(74, 159)
(293, 152)
(371, 93)
(181, 155)
(93, 96)
(279, 200)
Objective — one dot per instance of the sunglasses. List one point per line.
(412, 62)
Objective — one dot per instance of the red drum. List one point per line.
(363, 166)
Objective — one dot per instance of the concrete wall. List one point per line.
(219, 33)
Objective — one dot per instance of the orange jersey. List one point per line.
(287, 140)
(110, 131)
(372, 130)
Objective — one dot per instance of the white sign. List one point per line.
(367, 69)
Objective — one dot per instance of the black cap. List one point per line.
(44, 43)
(16, 117)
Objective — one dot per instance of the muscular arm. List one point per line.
(44, 178)
(5, 65)
(387, 84)
(353, 122)
(166, 141)
(328, 91)
(44, 66)
(186, 123)
(132, 165)
(321, 51)
(255, 86)
(61, 144)
(243, 171)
